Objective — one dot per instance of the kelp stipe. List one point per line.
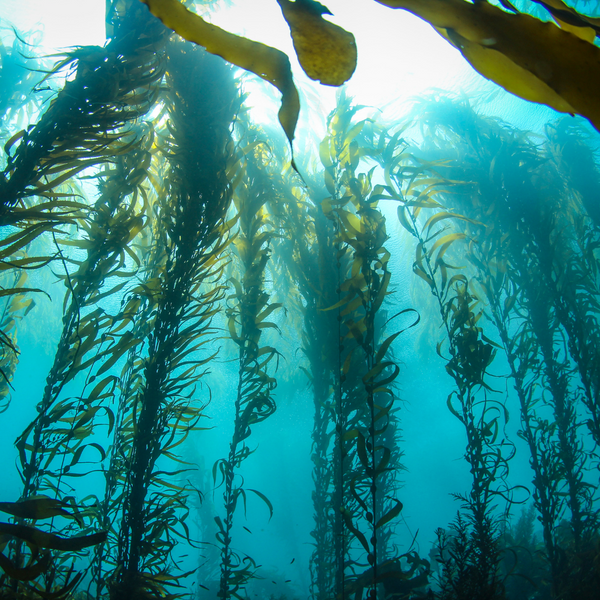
(70, 136)
(248, 311)
(115, 223)
(501, 294)
(324, 260)
(470, 354)
(364, 405)
(58, 440)
(579, 284)
(126, 334)
(201, 102)
(527, 254)
(53, 444)
(16, 307)
(305, 259)
(310, 257)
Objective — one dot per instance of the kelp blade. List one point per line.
(51, 541)
(268, 63)
(40, 507)
(326, 52)
(534, 60)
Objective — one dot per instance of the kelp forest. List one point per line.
(212, 333)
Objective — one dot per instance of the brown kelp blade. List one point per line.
(326, 52)
(536, 61)
(29, 572)
(39, 507)
(51, 541)
(569, 19)
(268, 63)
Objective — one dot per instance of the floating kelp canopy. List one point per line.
(359, 364)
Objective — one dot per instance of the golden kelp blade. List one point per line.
(266, 62)
(326, 52)
(587, 28)
(536, 61)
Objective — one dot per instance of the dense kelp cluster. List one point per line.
(505, 246)
(183, 240)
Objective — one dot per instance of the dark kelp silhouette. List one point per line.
(248, 310)
(194, 230)
(509, 201)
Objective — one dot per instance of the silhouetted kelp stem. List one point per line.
(70, 136)
(542, 249)
(349, 407)
(116, 222)
(133, 322)
(201, 100)
(529, 218)
(521, 353)
(579, 283)
(363, 287)
(73, 134)
(557, 442)
(247, 313)
(53, 445)
(137, 313)
(312, 260)
(470, 354)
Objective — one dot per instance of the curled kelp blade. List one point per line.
(326, 52)
(268, 63)
(534, 60)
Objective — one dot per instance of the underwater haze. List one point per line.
(369, 369)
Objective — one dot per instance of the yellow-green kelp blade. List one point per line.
(268, 63)
(326, 52)
(568, 18)
(531, 59)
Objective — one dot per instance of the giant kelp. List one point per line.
(550, 63)
(54, 442)
(350, 367)
(248, 311)
(470, 354)
(147, 300)
(192, 211)
(524, 230)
